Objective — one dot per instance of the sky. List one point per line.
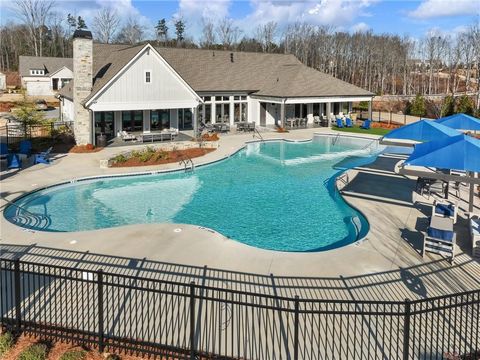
(410, 18)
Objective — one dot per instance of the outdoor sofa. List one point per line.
(166, 134)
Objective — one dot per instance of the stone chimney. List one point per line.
(82, 85)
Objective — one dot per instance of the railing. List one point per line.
(113, 312)
(12, 134)
(187, 163)
(257, 133)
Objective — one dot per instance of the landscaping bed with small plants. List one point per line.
(151, 156)
(84, 149)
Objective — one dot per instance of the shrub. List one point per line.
(6, 342)
(418, 106)
(34, 352)
(120, 158)
(74, 354)
(464, 105)
(448, 106)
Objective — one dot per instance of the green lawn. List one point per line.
(356, 129)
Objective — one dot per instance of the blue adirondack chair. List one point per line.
(43, 157)
(366, 124)
(348, 122)
(339, 123)
(25, 147)
(14, 161)
(3, 151)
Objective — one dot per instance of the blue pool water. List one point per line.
(273, 195)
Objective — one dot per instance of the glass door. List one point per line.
(104, 124)
(185, 119)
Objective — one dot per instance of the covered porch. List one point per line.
(302, 112)
(122, 127)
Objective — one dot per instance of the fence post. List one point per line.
(406, 330)
(192, 320)
(18, 298)
(390, 121)
(379, 115)
(101, 340)
(6, 131)
(405, 119)
(295, 334)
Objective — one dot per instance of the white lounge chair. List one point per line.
(126, 136)
(445, 209)
(474, 227)
(440, 237)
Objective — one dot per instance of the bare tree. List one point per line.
(34, 14)
(208, 33)
(265, 34)
(105, 24)
(131, 33)
(228, 33)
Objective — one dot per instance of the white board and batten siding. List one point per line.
(66, 108)
(130, 91)
(64, 73)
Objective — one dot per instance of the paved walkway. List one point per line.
(385, 265)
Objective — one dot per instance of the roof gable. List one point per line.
(49, 64)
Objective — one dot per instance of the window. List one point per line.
(37, 72)
(207, 98)
(218, 98)
(159, 119)
(226, 98)
(132, 120)
(148, 77)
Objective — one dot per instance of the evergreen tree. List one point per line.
(81, 23)
(448, 106)
(72, 22)
(162, 30)
(180, 30)
(418, 106)
(464, 105)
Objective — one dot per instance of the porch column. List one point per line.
(282, 114)
(195, 122)
(370, 109)
(231, 111)
(329, 111)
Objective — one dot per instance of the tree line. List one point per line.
(381, 63)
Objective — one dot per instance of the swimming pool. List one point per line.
(276, 195)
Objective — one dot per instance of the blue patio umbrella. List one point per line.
(423, 130)
(461, 152)
(460, 122)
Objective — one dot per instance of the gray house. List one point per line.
(145, 89)
(43, 76)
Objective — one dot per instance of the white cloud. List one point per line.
(193, 11)
(360, 27)
(438, 8)
(337, 13)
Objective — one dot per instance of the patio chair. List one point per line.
(25, 147)
(447, 210)
(127, 136)
(3, 151)
(474, 227)
(14, 161)
(339, 123)
(317, 121)
(366, 124)
(348, 122)
(440, 237)
(206, 127)
(241, 126)
(43, 157)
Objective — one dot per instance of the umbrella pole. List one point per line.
(472, 190)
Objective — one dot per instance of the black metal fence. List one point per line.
(39, 134)
(175, 320)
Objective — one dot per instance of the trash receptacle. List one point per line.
(101, 140)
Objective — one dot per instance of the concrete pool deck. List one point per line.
(387, 260)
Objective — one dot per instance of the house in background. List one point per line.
(3, 82)
(146, 89)
(44, 76)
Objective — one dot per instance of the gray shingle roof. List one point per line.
(274, 75)
(49, 64)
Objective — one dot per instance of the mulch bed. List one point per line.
(84, 149)
(173, 156)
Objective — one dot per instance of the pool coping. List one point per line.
(204, 164)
